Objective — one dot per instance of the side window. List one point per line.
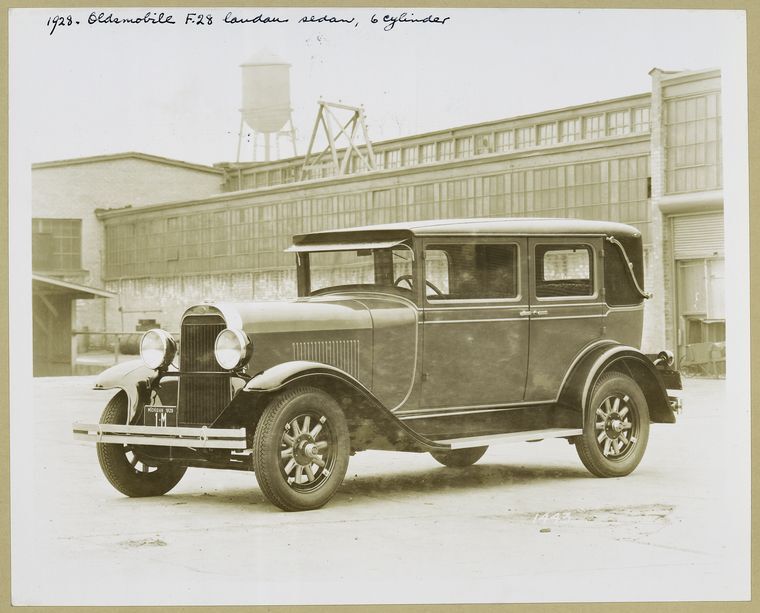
(471, 271)
(564, 270)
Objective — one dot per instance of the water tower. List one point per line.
(266, 102)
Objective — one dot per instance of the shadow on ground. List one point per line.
(399, 484)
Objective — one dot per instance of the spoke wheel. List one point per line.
(300, 449)
(616, 427)
(308, 451)
(125, 468)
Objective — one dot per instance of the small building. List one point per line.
(67, 240)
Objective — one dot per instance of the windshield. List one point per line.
(387, 269)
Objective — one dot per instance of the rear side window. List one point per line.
(564, 270)
(471, 271)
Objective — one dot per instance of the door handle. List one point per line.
(525, 313)
(540, 312)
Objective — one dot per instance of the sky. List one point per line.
(175, 90)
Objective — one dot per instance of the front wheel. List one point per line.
(300, 449)
(616, 427)
(123, 465)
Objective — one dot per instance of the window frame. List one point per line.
(518, 242)
(561, 243)
(56, 234)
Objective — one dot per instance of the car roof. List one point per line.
(507, 226)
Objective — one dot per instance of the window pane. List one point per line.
(471, 271)
(56, 244)
(389, 268)
(563, 271)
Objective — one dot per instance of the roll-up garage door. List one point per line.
(698, 236)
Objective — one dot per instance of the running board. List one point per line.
(512, 437)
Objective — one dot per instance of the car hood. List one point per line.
(293, 316)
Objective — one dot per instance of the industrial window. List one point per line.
(693, 143)
(564, 270)
(463, 147)
(641, 119)
(56, 244)
(525, 137)
(483, 144)
(445, 150)
(457, 200)
(172, 240)
(379, 160)
(547, 134)
(569, 130)
(471, 271)
(393, 158)
(219, 234)
(289, 174)
(618, 123)
(427, 153)
(261, 179)
(422, 205)
(495, 195)
(548, 193)
(505, 140)
(593, 126)
(410, 156)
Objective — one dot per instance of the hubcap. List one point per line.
(307, 451)
(616, 426)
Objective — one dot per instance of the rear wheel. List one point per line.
(616, 427)
(123, 465)
(458, 458)
(300, 449)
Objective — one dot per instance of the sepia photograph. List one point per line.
(378, 306)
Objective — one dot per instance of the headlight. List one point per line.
(232, 349)
(157, 349)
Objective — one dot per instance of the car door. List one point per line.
(475, 328)
(567, 310)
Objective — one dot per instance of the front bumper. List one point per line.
(197, 438)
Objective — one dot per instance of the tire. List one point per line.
(124, 469)
(616, 427)
(301, 448)
(459, 458)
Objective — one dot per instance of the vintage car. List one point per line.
(442, 336)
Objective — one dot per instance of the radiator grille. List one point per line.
(202, 397)
(343, 354)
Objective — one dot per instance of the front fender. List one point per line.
(372, 424)
(134, 377)
(276, 377)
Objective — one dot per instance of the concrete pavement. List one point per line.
(527, 523)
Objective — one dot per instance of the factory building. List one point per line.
(652, 160)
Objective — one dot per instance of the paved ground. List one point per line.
(527, 523)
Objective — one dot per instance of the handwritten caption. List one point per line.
(386, 22)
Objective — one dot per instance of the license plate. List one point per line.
(160, 416)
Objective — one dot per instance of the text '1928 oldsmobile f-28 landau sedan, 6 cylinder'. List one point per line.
(441, 336)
